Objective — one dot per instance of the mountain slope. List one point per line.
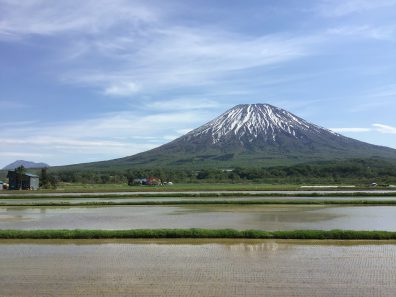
(26, 164)
(253, 135)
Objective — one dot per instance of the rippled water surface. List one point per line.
(196, 268)
(265, 217)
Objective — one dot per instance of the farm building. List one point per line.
(140, 181)
(153, 181)
(149, 181)
(28, 182)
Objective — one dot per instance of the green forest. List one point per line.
(358, 171)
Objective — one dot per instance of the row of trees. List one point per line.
(362, 171)
(353, 170)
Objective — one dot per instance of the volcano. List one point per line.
(253, 135)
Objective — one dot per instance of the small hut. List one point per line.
(28, 181)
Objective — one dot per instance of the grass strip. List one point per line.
(207, 202)
(206, 195)
(197, 233)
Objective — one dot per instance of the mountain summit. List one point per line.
(26, 164)
(253, 135)
(254, 126)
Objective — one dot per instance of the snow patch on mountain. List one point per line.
(248, 122)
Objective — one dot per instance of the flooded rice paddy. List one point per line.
(4, 200)
(241, 217)
(197, 268)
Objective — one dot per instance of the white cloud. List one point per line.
(45, 17)
(354, 130)
(385, 129)
(182, 57)
(20, 155)
(140, 47)
(122, 89)
(109, 136)
(57, 142)
(379, 128)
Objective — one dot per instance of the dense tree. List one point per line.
(20, 171)
(44, 181)
(47, 180)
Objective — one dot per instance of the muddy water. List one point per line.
(188, 268)
(137, 199)
(263, 217)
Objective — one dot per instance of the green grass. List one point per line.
(176, 187)
(197, 233)
(206, 195)
(70, 188)
(208, 202)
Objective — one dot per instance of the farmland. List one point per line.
(212, 242)
(197, 268)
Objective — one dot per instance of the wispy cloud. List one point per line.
(140, 50)
(22, 155)
(36, 17)
(385, 129)
(365, 31)
(379, 128)
(183, 57)
(59, 142)
(178, 68)
(353, 130)
(122, 88)
(183, 104)
(108, 136)
(340, 8)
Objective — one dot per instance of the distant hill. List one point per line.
(26, 164)
(250, 135)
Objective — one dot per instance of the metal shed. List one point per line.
(29, 181)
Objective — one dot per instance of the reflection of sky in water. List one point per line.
(82, 200)
(270, 246)
(213, 217)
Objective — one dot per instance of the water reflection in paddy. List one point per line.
(140, 199)
(265, 217)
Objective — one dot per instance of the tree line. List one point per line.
(371, 170)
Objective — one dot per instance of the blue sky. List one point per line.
(92, 80)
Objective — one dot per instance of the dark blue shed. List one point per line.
(29, 181)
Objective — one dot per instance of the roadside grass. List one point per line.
(205, 202)
(87, 188)
(197, 233)
(72, 188)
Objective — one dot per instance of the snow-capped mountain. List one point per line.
(251, 123)
(253, 135)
